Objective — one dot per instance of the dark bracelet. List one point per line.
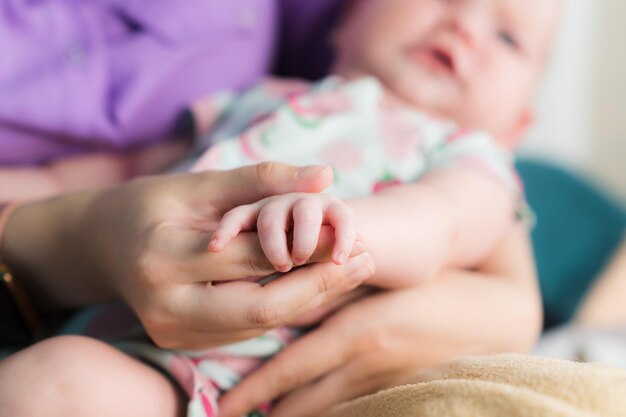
(22, 307)
(18, 322)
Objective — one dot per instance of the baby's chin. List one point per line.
(426, 100)
(438, 111)
(396, 98)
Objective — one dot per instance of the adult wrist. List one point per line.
(20, 320)
(6, 210)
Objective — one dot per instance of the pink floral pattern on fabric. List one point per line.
(343, 154)
(209, 159)
(458, 135)
(385, 184)
(285, 88)
(202, 392)
(310, 110)
(400, 135)
(254, 144)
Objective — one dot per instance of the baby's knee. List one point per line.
(78, 376)
(49, 375)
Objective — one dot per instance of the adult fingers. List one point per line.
(190, 339)
(243, 258)
(291, 368)
(315, 316)
(308, 287)
(241, 305)
(307, 221)
(343, 384)
(252, 183)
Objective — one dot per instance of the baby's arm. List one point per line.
(452, 217)
(303, 214)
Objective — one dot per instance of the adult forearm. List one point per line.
(26, 183)
(42, 244)
(379, 341)
(603, 305)
(94, 170)
(494, 309)
(465, 313)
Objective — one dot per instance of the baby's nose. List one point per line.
(471, 21)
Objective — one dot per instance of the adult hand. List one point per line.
(382, 340)
(146, 242)
(362, 348)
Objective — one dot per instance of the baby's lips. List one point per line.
(443, 56)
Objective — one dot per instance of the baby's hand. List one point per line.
(273, 217)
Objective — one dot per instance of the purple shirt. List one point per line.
(77, 76)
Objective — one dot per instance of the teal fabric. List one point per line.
(578, 228)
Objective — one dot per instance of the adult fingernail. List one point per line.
(310, 172)
(360, 268)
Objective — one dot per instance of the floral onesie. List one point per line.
(347, 125)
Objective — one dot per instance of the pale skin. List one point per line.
(151, 255)
(173, 297)
(450, 315)
(440, 221)
(90, 171)
(603, 308)
(303, 214)
(389, 336)
(384, 343)
(461, 60)
(475, 62)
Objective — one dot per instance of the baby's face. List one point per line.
(474, 61)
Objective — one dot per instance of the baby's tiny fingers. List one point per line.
(239, 219)
(307, 220)
(339, 215)
(272, 224)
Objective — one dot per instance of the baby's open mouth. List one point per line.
(436, 58)
(444, 58)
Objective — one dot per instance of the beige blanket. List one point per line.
(501, 386)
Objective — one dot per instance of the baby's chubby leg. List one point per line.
(78, 376)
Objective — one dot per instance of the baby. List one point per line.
(426, 101)
(432, 90)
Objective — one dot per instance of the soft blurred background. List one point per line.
(581, 111)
